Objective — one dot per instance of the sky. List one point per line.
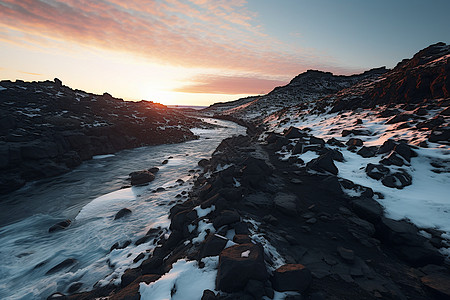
(198, 52)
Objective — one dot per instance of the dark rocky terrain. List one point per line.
(302, 226)
(304, 88)
(47, 129)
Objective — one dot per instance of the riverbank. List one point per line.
(258, 226)
(90, 196)
(48, 129)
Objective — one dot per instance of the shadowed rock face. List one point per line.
(47, 128)
(423, 77)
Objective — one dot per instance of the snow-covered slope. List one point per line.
(389, 133)
(304, 88)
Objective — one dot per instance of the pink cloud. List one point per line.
(213, 84)
(197, 33)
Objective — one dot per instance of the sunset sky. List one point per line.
(204, 51)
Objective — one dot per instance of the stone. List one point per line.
(242, 239)
(293, 133)
(226, 217)
(131, 291)
(368, 209)
(122, 213)
(255, 288)
(291, 277)
(238, 265)
(212, 245)
(404, 151)
(376, 172)
(387, 146)
(397, 180)
(316, 141)
(298, 148)
(129, 276)
(323, 163)
(438, 283)
(286, 203)
(354, 142)
(208, 295)
(393, 159)
(346, 254)
(440, 135)
(367, 152)
(335, 142)
(60, 226)
(153, 170)
(141, 177)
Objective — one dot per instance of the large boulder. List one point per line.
(323, 163)
(291, 277)
(238, 265)
(122, 213)
(141, 177)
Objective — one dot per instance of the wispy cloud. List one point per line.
(216, 84)
(30, 73)
(196, 33)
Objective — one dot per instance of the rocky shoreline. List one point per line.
(280, 226)
(47, 129)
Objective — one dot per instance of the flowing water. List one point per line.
(90, 196)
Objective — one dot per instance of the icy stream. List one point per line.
(91, 196)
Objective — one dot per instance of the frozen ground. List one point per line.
(426, 202)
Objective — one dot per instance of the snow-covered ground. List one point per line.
(426, 202)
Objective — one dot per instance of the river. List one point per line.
(90, 196)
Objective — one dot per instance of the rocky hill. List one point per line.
(47, 128)
(304, 88)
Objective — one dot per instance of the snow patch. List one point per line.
(184, 281)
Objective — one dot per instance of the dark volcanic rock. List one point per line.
(323, 163)
(354, 142)
(141, 177)
(387, 146)
(393, 159)
(292, 277)
(439, 283)
(397, 180)
(212, 245)
(226, 217)
(376, 171)
(286, 203)
(293, 133)
(440, 135)
(238, 265)
(367, 151)
(122, 213)
(368, 209)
